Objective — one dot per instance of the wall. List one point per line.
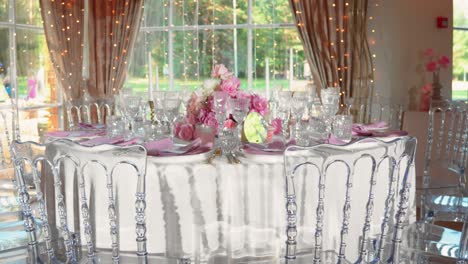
(403, 30)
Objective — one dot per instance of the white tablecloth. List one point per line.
(236, 210)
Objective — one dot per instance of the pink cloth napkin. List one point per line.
(102, 140)
(165, 148)
(273, 148)
(79, 133)
(372, 130)
(335, 141)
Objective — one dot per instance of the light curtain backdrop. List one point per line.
(111, 31)
(334, 36)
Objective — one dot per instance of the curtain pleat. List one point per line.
(334, 36)
(63, 26)
(113, 28)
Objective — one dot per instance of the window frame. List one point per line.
(249, 26)
(12, 26)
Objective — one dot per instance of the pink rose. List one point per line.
(230, 86)
(192, 104)
(259, 104)
(431, 66)
(220, 71)
(210, 120)
(185, 132)
(444, 61)
(191, 119)
(277, 124)
(429, 52)
(427, 89)
(203, 114)
(424, 102)
(230, 124)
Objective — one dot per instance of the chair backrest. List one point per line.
(447, 141)
(47, 164)
(375, 109)
(10, 128)
(385, 168)
(95, 112)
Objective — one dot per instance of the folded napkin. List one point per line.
(78, 133)
(165, 148)
(102, 140)
(274, 148)
(335, 141)
(378, 129)
(91, 126)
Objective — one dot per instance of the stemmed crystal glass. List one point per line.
(238, 108)
(284, 110)
(219, 101)
(158, 101)
(299, 105)
(132, 107)
(330, 105)
(171, 110)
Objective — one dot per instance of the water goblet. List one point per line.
(342, 127)
(115, 126)
(238, 108)
(299, 105)
(219, 101)
(330, 104)
(284, 110)
(132, 110)
(158, 100)
(171, 108)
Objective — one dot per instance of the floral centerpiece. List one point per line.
(200, 107)
(433, 65)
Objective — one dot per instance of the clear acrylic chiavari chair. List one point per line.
(382, 214)
(95, 113)
(60, 241)
(375, 109)
(443, 194)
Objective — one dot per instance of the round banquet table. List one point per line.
(235, 211)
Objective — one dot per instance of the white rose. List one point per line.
(210, 85)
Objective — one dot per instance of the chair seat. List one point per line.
(104, 256)
(432, 242)
(446, 204)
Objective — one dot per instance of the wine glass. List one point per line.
(219, 101)
(330, 104)
(158, 100)
(238, 108)
(132, 108)
(171, 108)
(284, 109)
(299, 105)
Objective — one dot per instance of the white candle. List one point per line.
(291, 69)
(150, 78)
(267, 78)
(157, 77)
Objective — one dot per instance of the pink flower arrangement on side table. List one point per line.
(200, 108)
(433, 65)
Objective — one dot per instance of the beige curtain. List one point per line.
(334, 36)
(113, 28)
(63, 26)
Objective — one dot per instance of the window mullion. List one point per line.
(171, 45)
(249, 45)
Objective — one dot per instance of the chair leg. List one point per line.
(463, 242)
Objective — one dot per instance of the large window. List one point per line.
(183, 39)
(460, 50)
(26, 74)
